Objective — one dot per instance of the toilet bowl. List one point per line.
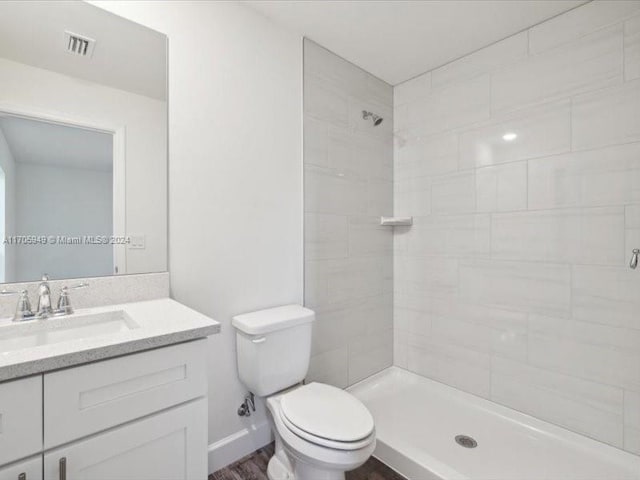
(321, 431)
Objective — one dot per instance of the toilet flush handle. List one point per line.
(259, 339)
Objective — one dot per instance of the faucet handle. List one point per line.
(633, 263)
(23, 309)
(64, 302)
(5, 292)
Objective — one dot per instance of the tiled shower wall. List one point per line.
(513, 283)
(348, 185)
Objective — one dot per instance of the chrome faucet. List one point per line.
(23, 309)
(44, 298)
(44, 310)
(64, 302)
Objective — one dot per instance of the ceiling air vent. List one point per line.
(79, 45)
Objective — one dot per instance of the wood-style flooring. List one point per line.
(254, 467)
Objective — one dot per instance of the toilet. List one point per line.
(321, 431)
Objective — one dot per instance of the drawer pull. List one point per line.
(22, 476)
(63, 468)
(259, 339)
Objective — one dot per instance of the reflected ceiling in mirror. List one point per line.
(83, 136)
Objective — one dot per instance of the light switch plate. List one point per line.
(137, 242)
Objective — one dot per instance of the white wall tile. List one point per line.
(603, 354)
(459, 367)
(412, 196)
(592, 62)
(632, 229)
(379, 198)
(517, 263)
(502, 188)
(330, 367)
(315, 142)
(593, 235)
(541, 131)
(369, 354)
(607, 295)
(454, 106)
(340, 153)
(368, 238)
(632, 422)
(343, 75)
(500, 53)
(579, 22)
(433, 276)
(454, 193)
(586, 407)
(326, 236)
(331, 191)
(336, 325)
(400, 117)
(492, 331)
(460, 235)
(375, 155)
(400, 338)
(632, 48)
(533, 287)
(430, 155)
(412, 90)
(325, 103)
(609, 176)
(411, 320)
(606, 117)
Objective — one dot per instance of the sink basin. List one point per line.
(36, 333)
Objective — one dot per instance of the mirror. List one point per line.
(83, 143)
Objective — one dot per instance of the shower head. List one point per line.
(377, 119)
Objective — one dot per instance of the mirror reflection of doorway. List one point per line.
(60, 193)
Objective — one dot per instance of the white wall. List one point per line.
(55, 200)
(145, 122)
(8, 205)
(235, 127)
(513, 283)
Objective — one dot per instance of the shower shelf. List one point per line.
(396, 221)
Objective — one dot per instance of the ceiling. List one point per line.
(397, 40)
(43, 143)
(127, 56)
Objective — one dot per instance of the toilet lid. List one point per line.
(327, 412)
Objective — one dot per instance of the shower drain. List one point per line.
(466, 441)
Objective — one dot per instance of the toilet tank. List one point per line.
(273, 347)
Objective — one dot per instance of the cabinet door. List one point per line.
(171, 445)
(30, 469)
(20, 418)
(84, 400)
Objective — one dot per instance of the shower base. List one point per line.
(429, 431)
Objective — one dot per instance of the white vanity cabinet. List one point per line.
(168, 446)
(135, 417)
(20, 419)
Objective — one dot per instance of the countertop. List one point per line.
(158, 323)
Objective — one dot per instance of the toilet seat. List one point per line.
(327, 416)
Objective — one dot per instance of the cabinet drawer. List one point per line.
(171, 445)
(30, 469)
(84, 400)
(20, 419)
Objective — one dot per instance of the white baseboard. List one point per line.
(237, 445)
